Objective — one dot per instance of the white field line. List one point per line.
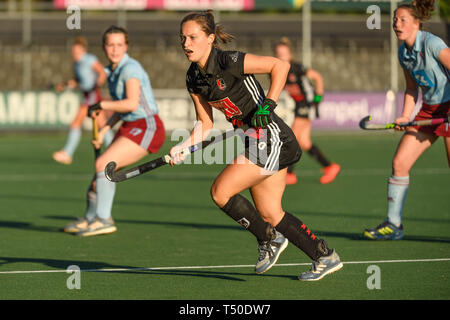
(218, 267)
(186, 174)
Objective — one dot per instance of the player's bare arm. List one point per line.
(101, 74)
(444, 58)
(130, 104)
(410, 99)
(277, 69)
(318, 80)
(201, 129)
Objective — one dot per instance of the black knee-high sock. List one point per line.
(291, 168)
(299, 235)
(244, 213)
(317, 155)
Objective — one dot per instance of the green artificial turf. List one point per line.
(166, 220)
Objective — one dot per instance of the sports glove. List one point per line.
(317, 98)
(263, 115)
(93, 108)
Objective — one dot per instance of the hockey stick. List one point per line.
(365, 125)
(95, 136)
(126, 174)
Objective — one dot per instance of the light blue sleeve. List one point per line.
(90, 59)
(400, 55)
(131, 71)
(435, 45)
(107, 71)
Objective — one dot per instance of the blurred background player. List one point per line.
(89, 77)
(306, 96)
(141, 132)
(425, 59)
(225, 80)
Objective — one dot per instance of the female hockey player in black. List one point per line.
(224, 80)
(306, 97)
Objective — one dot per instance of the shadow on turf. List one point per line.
(27, 226)
(207, 207)
(359, 236)
(90, 266)
(205, 274)
(324, 234)
(211, 206)
(62, 264)
(163, 223)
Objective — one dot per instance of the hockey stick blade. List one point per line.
(119, 176)
(109, 171)
(365, 125)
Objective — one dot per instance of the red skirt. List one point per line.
(434, 112)
(91, 97)
(149, 133)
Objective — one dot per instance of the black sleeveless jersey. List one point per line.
(299, 86)
(225, 86)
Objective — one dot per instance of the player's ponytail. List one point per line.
(423, 8)
(206, 20)
(419, 9)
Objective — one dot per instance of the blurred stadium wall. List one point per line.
(35, 44)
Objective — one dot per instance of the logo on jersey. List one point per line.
(227, 107)
(234, 56)
(221, 84)
(262, 145)
(422, 79)
(294, 91)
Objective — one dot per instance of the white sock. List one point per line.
(105, 195)
(109, 137)
(73, 139)
(397, 190)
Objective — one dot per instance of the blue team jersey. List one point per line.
(127, 69)
(422, 61)
(84, 74)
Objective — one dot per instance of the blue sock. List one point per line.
(397, 190)
(105, 195)
(108, 138)
(73, 138)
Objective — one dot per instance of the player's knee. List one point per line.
(271, 215)
(100, 165)
(219, 198)
(305, 143)
(399, 168)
